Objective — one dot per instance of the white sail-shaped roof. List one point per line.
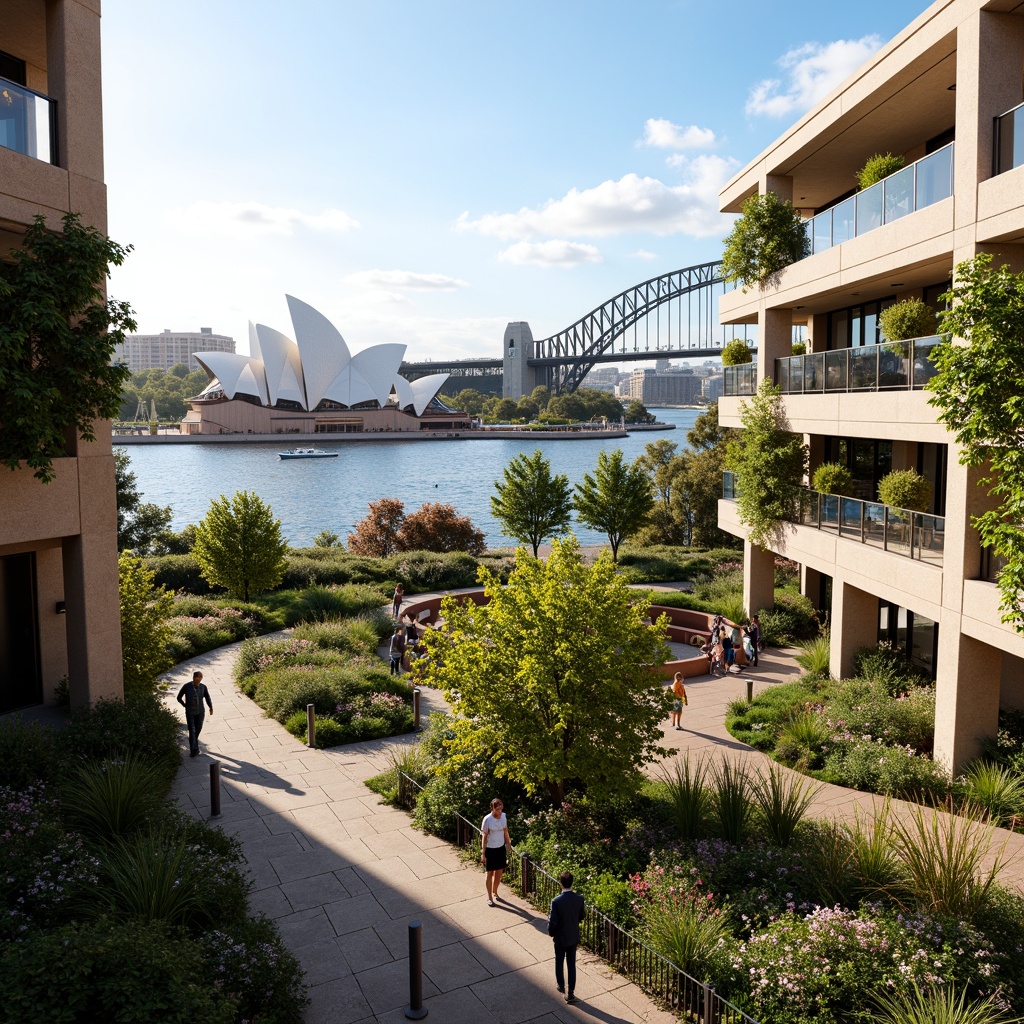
(403, 392)
(322, 349)
(282, 365)
(378, 366)
(424, 389)
(236, 373)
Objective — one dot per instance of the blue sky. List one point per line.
(425, 173)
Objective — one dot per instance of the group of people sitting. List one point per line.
(721, 647)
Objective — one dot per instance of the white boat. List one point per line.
(307, 453)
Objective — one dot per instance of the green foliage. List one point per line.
(905, 488)
(892, 771)
(688, 795)
(765, 239)
(769, 460)
(58, 332)
(939, 1005)
(178, 573)
(730, 800)
(170, 390)
(360, 636)
(781, 799)
(815, 655)
(326, 539)
(832, 478)
(910, 318)
(194, 631)
(977, 392)
(551, 676)
(736, 353)
(145, 633)
(875, 868)
(1000, 791)
(799, 348)
(239, 545)
(887, 666)
(691, 937)
(802, 741)
(636, 412)
(530, 503)
(112, 799)
(28, 753)
(140, 524)
(435, 526)
(616, 500)
(792, 620)
(877, 167)
(581, 405)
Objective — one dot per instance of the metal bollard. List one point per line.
(416, 708)
(415, 1010)
(750, 690)
(215, 789)
(310, 726)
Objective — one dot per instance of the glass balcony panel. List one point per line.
(821, 232)
(863, 368)
(782, 375)
(813, 376)
(929, 538)
(924, 367)
(829, 511)
(874, 523)
(934, 178)
(837, 375)
(1010, 128)
(25, 121)
(809, 507)
(844, 221)
(728, 486)
(897, 531)
(869, 208)
(894, 365)
(851, 512)
(899, 194)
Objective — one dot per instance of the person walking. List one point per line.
(567, 911)
(191, 697)
(755, 636)
(495, 844)
(679, 699)
(396, 651)
(396, 601)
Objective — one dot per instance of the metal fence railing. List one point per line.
(634, 959)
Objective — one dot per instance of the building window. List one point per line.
(913, 635)
(21, 684)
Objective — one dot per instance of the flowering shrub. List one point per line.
(873, 766)
(195, 630)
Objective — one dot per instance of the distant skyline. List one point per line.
(424, 174)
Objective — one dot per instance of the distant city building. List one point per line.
(604, 378)
(162, 351)
(679, 386)
(712, 387)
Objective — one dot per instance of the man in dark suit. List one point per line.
(564, 927)
(191, 697)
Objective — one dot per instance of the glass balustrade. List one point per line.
(1009, 140)
(27, 122)
(890, 366)
(923, 183)
(739, 380)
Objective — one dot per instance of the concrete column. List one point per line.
(815, 444)
(854, 621)
(758, 578)
(810, 584)
(774, 339)
(53, 644)
(817, 333)
(780, 184)
(967, 690)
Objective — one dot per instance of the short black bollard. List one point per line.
(750, 690)
(416, 708)
(215, 789)
(310, 726)
(415, 1010)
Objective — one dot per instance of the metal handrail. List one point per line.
(655, 974)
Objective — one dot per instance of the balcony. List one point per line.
(923, 183)
(739, 380)
(889, 366)
(28, 122)
(1009, 141)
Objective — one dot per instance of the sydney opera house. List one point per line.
(314, 385)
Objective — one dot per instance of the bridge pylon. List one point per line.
(518, 377)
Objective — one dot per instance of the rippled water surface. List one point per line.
(332, 494)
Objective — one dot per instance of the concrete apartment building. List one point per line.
(946, 94)
(169, 348)
(665, 387)
(59, 611)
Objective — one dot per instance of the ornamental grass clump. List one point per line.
(688, 795)
(873, 861)
(110, 799)
(694, 934)
(1000, 791)
(730, 800)
(939, 1004)
(815, 656)
(782, 798)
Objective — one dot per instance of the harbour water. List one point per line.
(310, 495)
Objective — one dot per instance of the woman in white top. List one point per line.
(494, 846)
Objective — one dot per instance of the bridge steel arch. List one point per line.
(567, 357)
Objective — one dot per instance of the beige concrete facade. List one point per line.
(69, 526)
(945, 78)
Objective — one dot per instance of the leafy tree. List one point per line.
(503, 411)
(765, 239)
(527, 409)
(551, 677)
(977, 392)
(326, 539)
(145, 635)
(239, 546)
(769, 460)
(617, 500)
(541, 394)
(531, 504)
(377, 534)
(736, 353)
(703, 479)
(832, 478)
(469, 401)
(438, 527)
(636, 412)
(662, 462)
(140, 525)
(905, 488)
(57, 336)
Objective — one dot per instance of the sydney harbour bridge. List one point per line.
(670, 316)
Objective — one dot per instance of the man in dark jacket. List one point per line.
(191, 697)
(564, 927)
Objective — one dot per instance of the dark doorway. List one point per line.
(21, 683)
(915, 636)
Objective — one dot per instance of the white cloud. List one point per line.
(660, 132)
(812, 72)
(248, 219)
(643, 254)
(407, 279)
(617, 207)
(555, 253)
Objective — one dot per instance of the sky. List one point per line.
(424, 173)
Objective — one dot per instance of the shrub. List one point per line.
(803, 740)
(790, 621)
(355, 635)
(283, 690)
(892, 771)
(695, 935)
(767, 238)
(1000, 791)
(330, 733)
(730, 800)
(688, 795)
(884, 664)
(177, 572)
(319, 603)
(28, 753)
(736, 353)
(864, 712)
(815, 656)
(905, 488)
(832, 478)
(910, 318)
(880, 166)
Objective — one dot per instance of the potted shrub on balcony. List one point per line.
(768, 236)
(736, 353)
(833, 478)
(905, 488)
(900, 322)
(880, 166)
